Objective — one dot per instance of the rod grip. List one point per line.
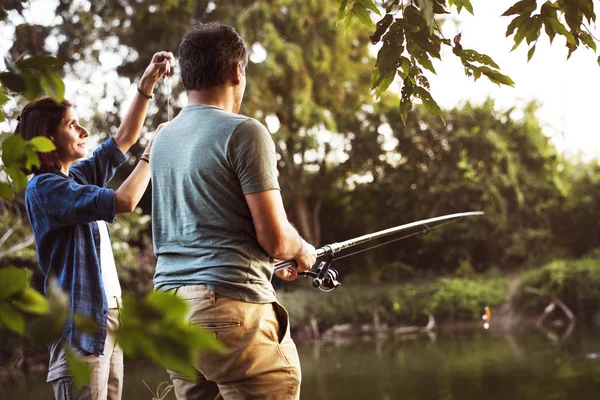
(321, 251)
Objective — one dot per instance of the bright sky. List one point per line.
(569, 91)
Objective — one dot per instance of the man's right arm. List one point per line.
(274, 232)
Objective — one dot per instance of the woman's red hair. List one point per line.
(42, 118)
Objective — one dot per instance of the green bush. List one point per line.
(465, 299)
(575, 282)
(405, 304)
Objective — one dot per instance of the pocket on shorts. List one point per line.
(217, 325)
(283, 322)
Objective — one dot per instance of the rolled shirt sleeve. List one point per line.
(67, 201)
(101, 166)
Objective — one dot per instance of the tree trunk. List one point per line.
(306, 219)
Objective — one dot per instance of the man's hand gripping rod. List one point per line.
(323, 276)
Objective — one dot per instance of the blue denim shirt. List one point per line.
(63, 211)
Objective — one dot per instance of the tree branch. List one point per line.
(18, 246)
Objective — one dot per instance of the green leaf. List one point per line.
(520, 35)
(598, 60)
(460, 4)
(521, 7)
(79, 368)
(19, 179)
(472, 55)
(369, 5)
(573, 15)
(13, 281)
(385, 83)
(48, 327)
(530, 53)
(85, 324)
(2, 116)
(59, 305)
(405, 107)
(32, 85)
(533, 32)
(31, 301)
(171, 307)
(32, 159)
(42, 144)
(156, 326)
(404, 68)
(3, 98)
(439, 9)
(496, 76)
(53, 86)
(382, 27)
(12, 81)
(12, 318)
(559, 28)
(426, 7)
(405, 101)
(423, 59)
(549, 30)
(414, 17)
(5, 191)
(40, 63)
(363, 15)
(341, 11)
(421, 38)
(516, 22)
(13, 150)
(430, 104)
(587, 40)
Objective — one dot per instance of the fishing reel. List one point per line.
(324, 277)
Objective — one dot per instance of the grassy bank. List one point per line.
(448, 299)
(575, 282)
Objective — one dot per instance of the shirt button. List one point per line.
(104, 312)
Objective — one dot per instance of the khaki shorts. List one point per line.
(261, 361)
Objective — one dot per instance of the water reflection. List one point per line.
(474, 365)
(461, 366)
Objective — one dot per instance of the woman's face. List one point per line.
(70, 138)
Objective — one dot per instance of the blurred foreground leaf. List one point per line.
(156, 327)
(78, 367)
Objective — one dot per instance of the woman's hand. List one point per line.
(161, 62)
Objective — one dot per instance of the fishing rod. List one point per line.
(326, 278)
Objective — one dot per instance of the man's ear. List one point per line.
(237, 73)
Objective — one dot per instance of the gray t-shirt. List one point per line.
(203, 163)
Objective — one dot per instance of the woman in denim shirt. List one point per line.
(68, 206)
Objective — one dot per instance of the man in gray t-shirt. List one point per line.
(218, 223)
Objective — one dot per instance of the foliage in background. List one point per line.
(575, 282)
(131, 241)
(400, 304)
(483, 159)
(411, 38)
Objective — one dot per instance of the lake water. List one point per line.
(470, 365)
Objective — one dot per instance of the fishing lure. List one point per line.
(487, 317)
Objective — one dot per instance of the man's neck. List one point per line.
(219, 97)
